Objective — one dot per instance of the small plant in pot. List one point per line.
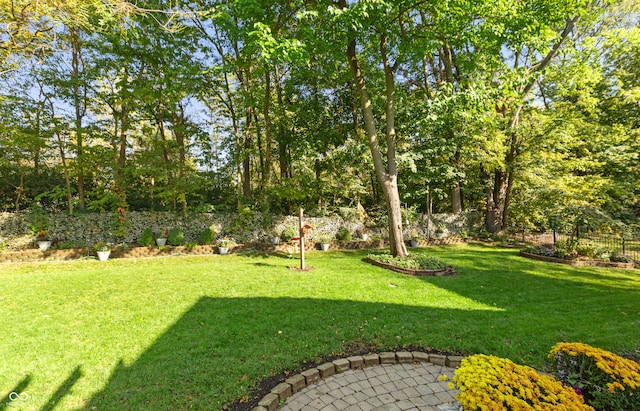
(275, 238)
(415, 239)
(43, 240)
(103, 250)
(161, 237)
(363, 233)
(224, 244)
(439, 231)
(324, 241)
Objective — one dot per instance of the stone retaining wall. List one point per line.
(90, 228)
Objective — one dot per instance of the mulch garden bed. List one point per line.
(577, 263)
(420, 273)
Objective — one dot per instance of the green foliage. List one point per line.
(176, 236)
(413, 262)
(67, 245)
(147, 239)
(343, 234)
(38, 220)
(287, 234)
(207, 237)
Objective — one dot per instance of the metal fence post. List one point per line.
(624, 246)
(554, 236)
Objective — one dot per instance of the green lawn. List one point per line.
(198, 332)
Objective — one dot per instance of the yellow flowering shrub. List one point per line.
(489, 383)
(607, 381)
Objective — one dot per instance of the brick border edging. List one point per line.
(295, 383)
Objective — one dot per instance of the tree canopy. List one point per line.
(520, 110)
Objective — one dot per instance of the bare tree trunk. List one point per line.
(268, 129)
(80, 106)
(246, 160)
(499, 198)
(388, 178)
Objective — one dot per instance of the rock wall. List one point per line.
(87, 229)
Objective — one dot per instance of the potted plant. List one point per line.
(161, 237)
(324, 242)
(439, 231)
(415, 239)
(223, 245)
(103, 250)
(275, 238)
(363, 233)
(42, 238)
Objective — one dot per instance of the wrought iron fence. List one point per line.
(616, 243)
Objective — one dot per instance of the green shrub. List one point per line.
(207, 237)
(344, 234)
(287, 234)
(176, 237)
(67, 245)
(146, 239)
(417, 262)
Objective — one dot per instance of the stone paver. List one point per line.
(403, 385)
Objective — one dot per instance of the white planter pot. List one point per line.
(414, 243)
(439, 236)
(161, 242)
(223, 250)
(103, 255)
(365, 237)
(275, 240)
(44, 245)
(325, 246)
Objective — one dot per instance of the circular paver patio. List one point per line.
(386, 381)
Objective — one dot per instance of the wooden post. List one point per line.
(301, 235)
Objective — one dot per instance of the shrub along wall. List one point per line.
(90, 228)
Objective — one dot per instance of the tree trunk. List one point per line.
(456, 198)
(268, 129)
(499, 198)
(388, 177)
(79, 102)
(246, 160)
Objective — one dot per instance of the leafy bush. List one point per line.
(493, 383)
(287, 234)
(418, 262)
(146, 239)
(344, 234)
(176, 237)
(607, 381)
(621, 258)
(207, 237)
(67, 245)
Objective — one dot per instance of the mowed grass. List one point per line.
(198, 332)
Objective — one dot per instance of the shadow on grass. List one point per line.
(64, 389)
(17, 395)
(222, 346)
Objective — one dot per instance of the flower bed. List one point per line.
(493, 383)
(607, 381)
(419, 265)
(588, 378)
(576, 262)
